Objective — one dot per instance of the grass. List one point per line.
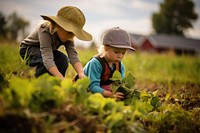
(164, 67)
(10, 60)
(145, 67)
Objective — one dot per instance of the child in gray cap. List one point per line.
(99, 69)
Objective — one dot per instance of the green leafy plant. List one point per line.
(131, 93)
(124, 85)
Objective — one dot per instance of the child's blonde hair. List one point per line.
(101, 50)
(50, 25)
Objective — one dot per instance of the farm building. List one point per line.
(162, 43)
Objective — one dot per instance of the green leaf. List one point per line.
(81, 87)
(129, 80)
(114, 87)
(136, 95)
(116, 76)
(155, 102)
(67, 85)
(124, 90)
(115, 119)
(95, 103)
(22, 91)
(167, 97)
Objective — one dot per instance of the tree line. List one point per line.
(12, 26)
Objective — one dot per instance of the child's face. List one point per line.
(115, 55)
(64, 35)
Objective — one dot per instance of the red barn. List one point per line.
(163, 43)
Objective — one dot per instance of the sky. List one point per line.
(134, 16)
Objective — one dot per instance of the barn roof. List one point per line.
(172, 41)
(167, 41)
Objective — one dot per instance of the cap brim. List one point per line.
(125, 47)
(68, 26)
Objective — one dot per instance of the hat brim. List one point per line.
(125, 47)
(68, 26)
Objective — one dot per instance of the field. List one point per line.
(165, 97)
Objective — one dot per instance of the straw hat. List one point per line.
(71, 19)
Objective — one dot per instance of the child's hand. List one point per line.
(119, 96)
(81, 75)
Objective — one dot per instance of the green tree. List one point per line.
(2, 25)
(174, 17)
(16, 26)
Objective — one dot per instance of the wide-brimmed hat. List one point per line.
(117, 37)
(71, 19)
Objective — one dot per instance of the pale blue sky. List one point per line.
(131, 15)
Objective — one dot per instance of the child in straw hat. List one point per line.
(40, 48)
(100, 69)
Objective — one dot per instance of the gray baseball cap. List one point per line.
(117, 37)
